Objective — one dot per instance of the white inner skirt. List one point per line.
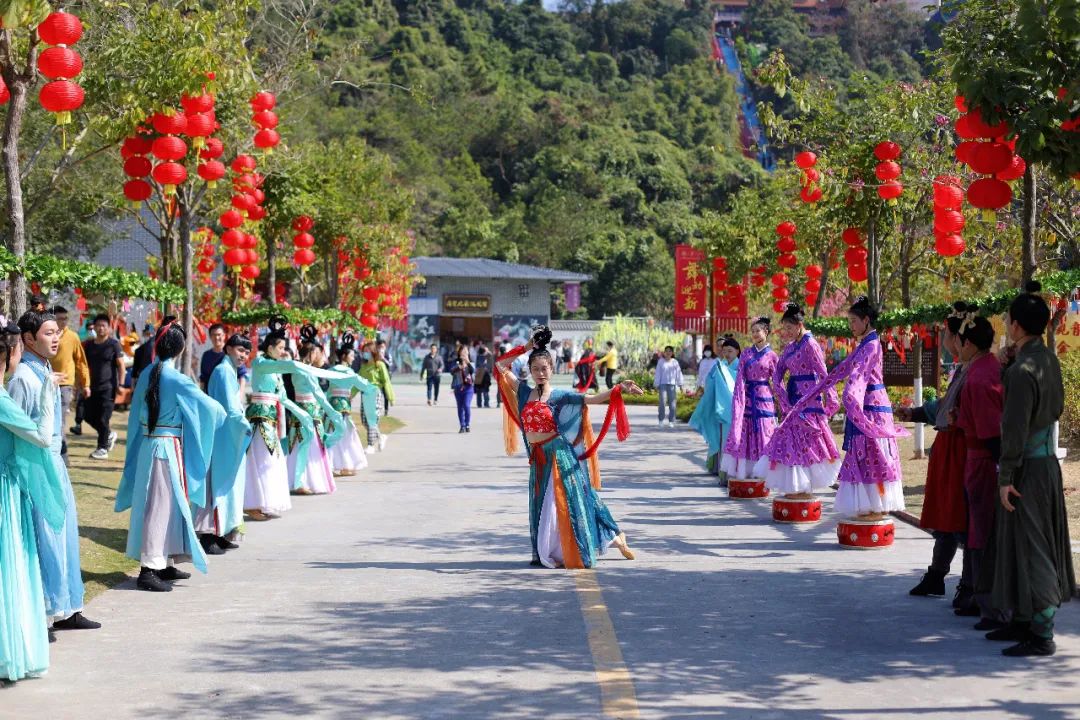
(164, 537)
(860, 499)
(267, 482)
(548, 545)
(789, 479)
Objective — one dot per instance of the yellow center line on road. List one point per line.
(617, 696)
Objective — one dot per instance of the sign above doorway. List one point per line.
(467, 304)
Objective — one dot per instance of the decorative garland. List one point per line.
(1059, 284)
(51, 272)
(295, 316)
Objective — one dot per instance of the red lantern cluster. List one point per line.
(241, 256)
(888, 170)
(786, 245)
(757, 276)
(855, 255)
(812, 287)
(811, 191)
(948, 216)
(264, 118)
(60, 64)
(985, 150)
(137, 167)
(303, 241)
(205, 253)
(780, 291)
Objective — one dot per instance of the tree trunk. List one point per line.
(873, 282)
(13, 176)
(189, 283)
(1027, 223)
(826, 269)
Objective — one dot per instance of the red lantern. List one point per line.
(208, 250)
(59, 62)
(857, 273)
(169, 147)
(61, 97)
(259, 195)
(249, 272)
(718, 263)
(810, 176)
(243, 202)
(757, 280)
(949, 245)
(805, 160)
(787, 260)
(779, 306)
(266, 140)
(852, 236)
(265, 119)
(211, 171)
(370, 293)
(212, 150)
(948, 193)
(890, 190)
(369, 321)
(810, 194)
(786, 228)
(814, 272)
(369, 308)
(232, 239)
(887, 170)
(364, 273)
(256, 213)
(192, 104)
(169, 175)
(948, 221)
(786, 245)
(779, 279)
(166, 124)
(303, 240)
(989, 194)
(303, 223)
(200, 125)
(135, 145)
(243, 164)
(5, 94)
(206, 265)
(989, 158)
(303, 257)
(812, 286)
(137, 190)
(855, 256)
(60, 28)
(887, 150)
(231, 219)
(1015, 171)
(263, 101)
(981, 129)
(235, 257)
(137, 167)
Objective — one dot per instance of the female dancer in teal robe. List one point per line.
(170, 440)
(348, 455)
(309, 462)
(569, 524)
(712, 416)
(28, 479)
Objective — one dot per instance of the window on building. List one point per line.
(523, 290)
(420, 290)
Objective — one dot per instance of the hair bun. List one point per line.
(277, 324)
(541, 336)
(348, 342)
(11, 328)
(960, 306)
(1033, 286)
(308, 333)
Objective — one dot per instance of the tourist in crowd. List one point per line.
(374, 370)
(609, 364)
(586, 371)
(483, 377)
(170, 441)
(70, 361)
(667, 379)
(705, 366)
(58, 549)
(1032, 559)
(431, 370)
(144, 354)
(462, 383)
(106, 360)
(29, 485)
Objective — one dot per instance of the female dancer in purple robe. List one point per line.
(870, 479)
(802, 455)
(753, 409)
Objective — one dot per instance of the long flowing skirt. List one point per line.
(161, 530)
(228, 516)
(268, 481)
(317, 477)
(24, 640)
(58, 555)
(801, 457)
(866, 487)
(570, 525)
(740, 461)
(348, 455)
(944, 506)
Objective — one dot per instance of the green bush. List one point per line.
(1070, 419)
(684, 404)
(644, 379)
(635, 340)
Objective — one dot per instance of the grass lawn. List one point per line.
(103, 533)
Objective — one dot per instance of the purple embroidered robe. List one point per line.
(805, 438)
(753, 408)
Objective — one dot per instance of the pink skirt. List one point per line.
(267, 479)
(348, 454)
(317, 477)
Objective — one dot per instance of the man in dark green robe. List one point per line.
(1033, 571)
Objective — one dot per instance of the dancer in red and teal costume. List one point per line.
(570, 526)
(753, 408)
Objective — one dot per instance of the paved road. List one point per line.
(408, 595)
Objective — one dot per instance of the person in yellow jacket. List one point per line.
(70, 361)
(609, 363)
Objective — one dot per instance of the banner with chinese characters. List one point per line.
(1067, 330)
(691, 291)
(573, 295)
(729, 304)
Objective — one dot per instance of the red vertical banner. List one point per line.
(691, 292)
(731, 307)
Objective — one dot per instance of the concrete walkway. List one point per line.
(408, 594)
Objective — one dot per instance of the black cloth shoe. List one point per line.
(52, 636)
(149, 581)
(76, 622)
(1034, 646)
(171, 574)
(962, 596)
(225, 544)
(1014, 632)
(932, 583)
(76, 430)
(210, 546)
(468, 429)
(968, 611)
(989, 624)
